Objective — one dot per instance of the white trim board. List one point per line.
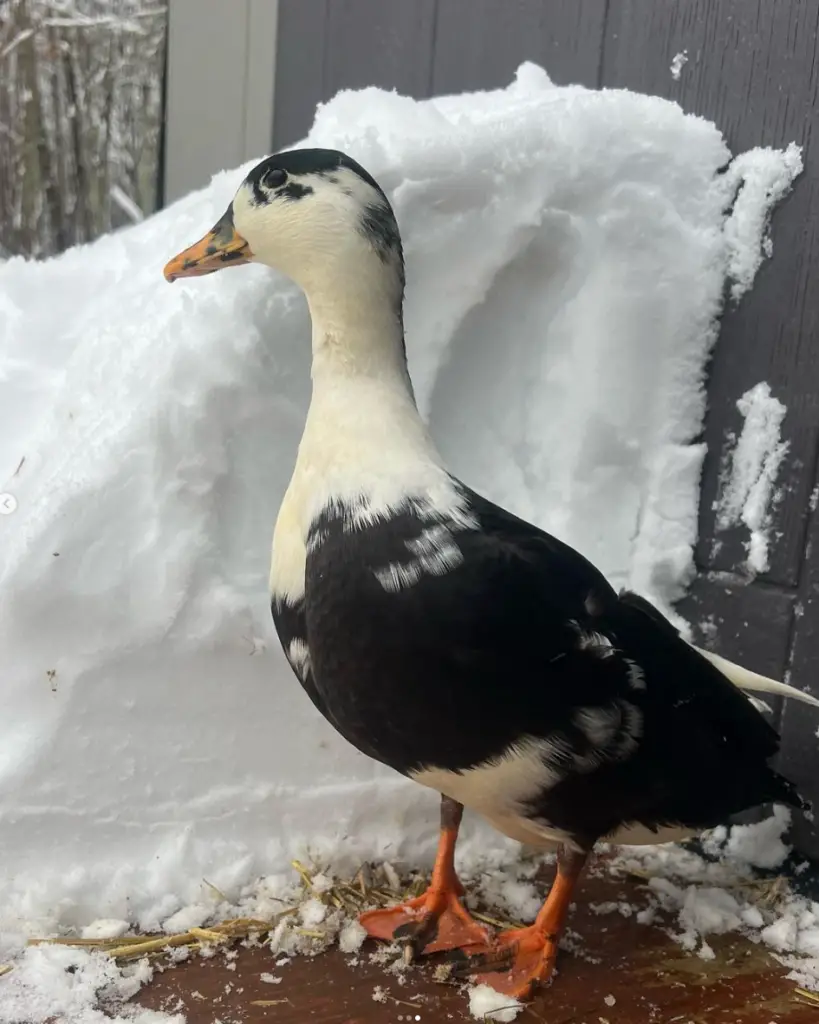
(220, 85)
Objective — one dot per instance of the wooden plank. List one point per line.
(387, 43)
(480, 43)
(619, 972)
(752, 69)
(749, 624)
(260, 91)
(302, 35)
(347, 44)
(199, 145)
(800, 746)
(746, 623)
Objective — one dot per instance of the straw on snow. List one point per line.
(363, 891)
(368, 887)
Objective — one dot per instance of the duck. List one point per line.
(449, 639)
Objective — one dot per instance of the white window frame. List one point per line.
(219, 92)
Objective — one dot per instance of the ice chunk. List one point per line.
(351, 937)
(105, 928)
(487, 1004)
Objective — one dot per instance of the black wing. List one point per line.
(525, 639)
(703, 749)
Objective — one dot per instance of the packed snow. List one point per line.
(748, 491)
(678, 63)
(767, 176)
(488, 1005)
(62, 983)
(566, 251)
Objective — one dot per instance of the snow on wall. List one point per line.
(747, 492)
(566, 250)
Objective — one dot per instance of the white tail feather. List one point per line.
(746, 680)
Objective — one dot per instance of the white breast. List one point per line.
(501, 789)
(288, 559)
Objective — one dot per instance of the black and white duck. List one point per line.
(443, 636)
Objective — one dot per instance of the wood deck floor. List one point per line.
(622, 973)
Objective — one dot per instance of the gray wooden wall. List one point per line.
(753, 70)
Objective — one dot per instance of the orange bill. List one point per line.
(221, 247)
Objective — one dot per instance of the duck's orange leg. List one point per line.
(437, 920)
(523, 957)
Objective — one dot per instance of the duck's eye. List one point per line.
(274, 178)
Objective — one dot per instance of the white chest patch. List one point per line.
(366, 450)
(288, 561)
(500, 789)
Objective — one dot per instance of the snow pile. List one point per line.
(759, 846)
(65, 984)
(567, 251)
(715, 897)
(748, 490)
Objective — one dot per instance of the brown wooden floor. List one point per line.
(650, 978)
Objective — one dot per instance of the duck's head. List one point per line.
(315, 215)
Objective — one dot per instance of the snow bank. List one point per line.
(567, 251)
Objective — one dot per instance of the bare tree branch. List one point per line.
(80, 118)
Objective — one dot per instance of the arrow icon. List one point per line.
(8, 504)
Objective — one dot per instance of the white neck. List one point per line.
(364, 442)
(363, 437)
(356, 336)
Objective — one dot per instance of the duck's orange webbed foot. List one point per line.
(430, 923)
(522, 958)
(519, 959)
(437, 920)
